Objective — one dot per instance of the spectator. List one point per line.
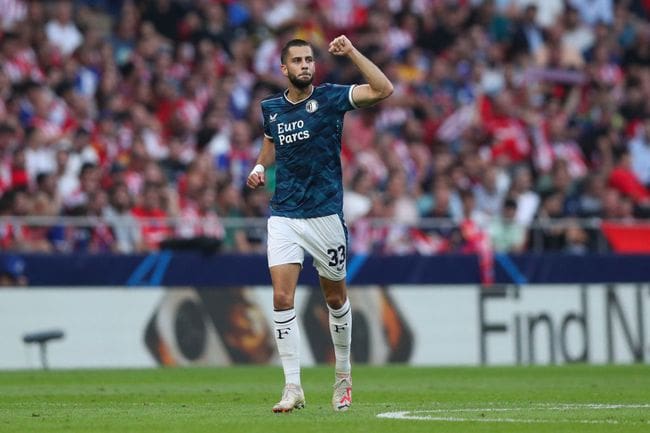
(229, 206)
(576, 239)
(506, 234)
(639, 147)
(151, 217)
(548, 11)
(528, 37)
(19, 176)
(253, 238)
(471, 212)
(490, 193)
(123, 39)
(97, 236)
(13, 12)
(357, 201)
(577, 33)
(556, 53)
(19, 60)
(590, 201)
(441, 206)
(625, 181)
(12, 271)
(47, 185)
(199, 219)
(22, 236)
(40, 157)
(404, 205)
(474, 238)
(522, 192)
(164, 14)
(61, 30)
(8, 142)
(124, 225)
(548, 234)
(594, 11)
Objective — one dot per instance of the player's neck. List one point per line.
(295, 94)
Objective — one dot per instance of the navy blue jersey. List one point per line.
(307, 139)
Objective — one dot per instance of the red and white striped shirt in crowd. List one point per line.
(153, 226)
(196, 223)
(571, 152)
(344, 14)
(23, 66)
(547, 152)
(367, 238)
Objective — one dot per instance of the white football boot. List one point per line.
(292, 398)
(342, 397)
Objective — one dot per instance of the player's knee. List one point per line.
(335, 300)
(282, 301)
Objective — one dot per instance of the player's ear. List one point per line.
(283, 68)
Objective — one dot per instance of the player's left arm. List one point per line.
(379, 86)
(266, 158)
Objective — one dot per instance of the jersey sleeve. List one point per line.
(341, 96)
(265, 120)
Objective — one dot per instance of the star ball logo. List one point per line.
(311, 106)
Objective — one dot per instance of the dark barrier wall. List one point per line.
(180, 269)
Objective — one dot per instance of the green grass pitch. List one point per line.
(385, 399)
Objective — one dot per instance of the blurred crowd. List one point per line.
(512, 123)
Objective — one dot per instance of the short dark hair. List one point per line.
(510, 203)
(293, 43)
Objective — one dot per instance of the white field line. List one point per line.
(405, 415)
(423, 415)
(573, 406)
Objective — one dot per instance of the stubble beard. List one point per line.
(301, 83)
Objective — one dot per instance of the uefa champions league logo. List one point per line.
(311, 106)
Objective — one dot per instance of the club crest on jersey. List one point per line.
(311, 106)
(273, 117)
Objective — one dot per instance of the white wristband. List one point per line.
(259, 168)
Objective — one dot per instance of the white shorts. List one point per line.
(324, 238)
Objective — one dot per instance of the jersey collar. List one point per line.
(286, 92)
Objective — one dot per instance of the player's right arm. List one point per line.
(379, 86)
(265, 159)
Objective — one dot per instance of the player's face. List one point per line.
(299, 66)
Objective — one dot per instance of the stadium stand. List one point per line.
(125, 125)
